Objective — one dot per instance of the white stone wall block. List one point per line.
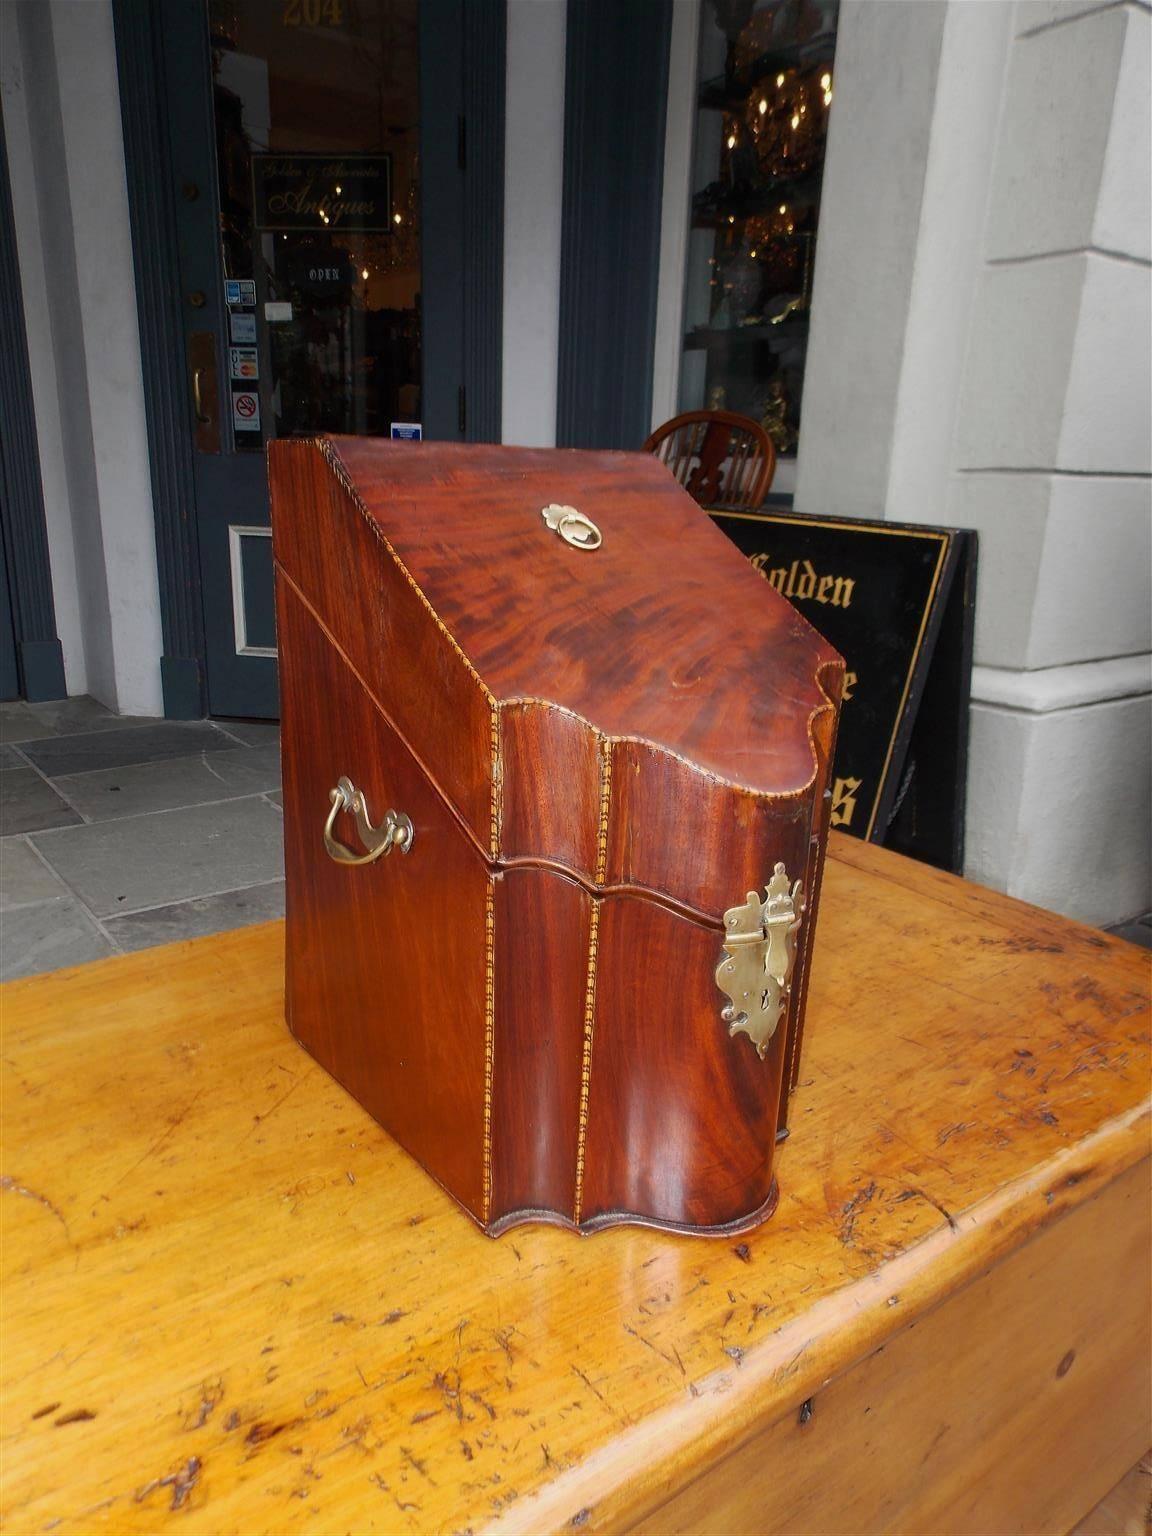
(1094, 586)
(1031, 15)
(1059, 374)
(1023, 334)
(997, 752)
(1107, 421)
(1060, 807)
(1065, 567)
(1053, 137)
(1124, 208)
(1010, 513)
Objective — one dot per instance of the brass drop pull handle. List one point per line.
(572, 526)
(395, 831)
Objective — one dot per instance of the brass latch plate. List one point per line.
(755, 970)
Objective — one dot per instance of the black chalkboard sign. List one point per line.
(896, 600)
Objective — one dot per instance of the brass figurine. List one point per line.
(775, 418)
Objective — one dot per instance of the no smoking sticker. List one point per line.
(245, 411)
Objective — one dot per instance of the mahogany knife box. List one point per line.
(581, 749)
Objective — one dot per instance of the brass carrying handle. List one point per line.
(395, 831)
(197, 403)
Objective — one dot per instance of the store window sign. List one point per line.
(243, 327)
(329, 274)
(246, 411)
(333, 193)
(243, 363)
(407, 431)
(239, 292)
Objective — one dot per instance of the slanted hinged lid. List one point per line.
(591, 673)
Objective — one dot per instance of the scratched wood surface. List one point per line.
(1005, 1411)
(229, 1296)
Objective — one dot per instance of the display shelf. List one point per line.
(740, 203)
(717, 335)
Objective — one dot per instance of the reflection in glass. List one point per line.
(317, 141)
(766, 88)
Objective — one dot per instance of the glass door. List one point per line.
(297, 135)
(316, 108)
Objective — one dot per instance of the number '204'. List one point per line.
(313, 13)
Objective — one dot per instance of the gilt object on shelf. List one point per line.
(774, 419)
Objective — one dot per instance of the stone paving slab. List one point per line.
(28, 804)
(135, 790)
(88, 752)
(168, 856)
(47, 936)
(61, 717)
(24, 877)
(203, 915)
(117, 833)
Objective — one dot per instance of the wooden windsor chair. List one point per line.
(721, 459)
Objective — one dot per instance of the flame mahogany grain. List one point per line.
(600, 753)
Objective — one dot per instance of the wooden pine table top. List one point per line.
(228, 1293)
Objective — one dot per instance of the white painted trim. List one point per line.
(1039, 693)
(236, 532)
(39, 305)
(533, 214)
(674, 216)
(880, 134)
(107, 352)
(84, 347)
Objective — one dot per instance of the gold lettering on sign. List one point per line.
(306, 200)
(802, 584)
(844, 793)
(850, 681)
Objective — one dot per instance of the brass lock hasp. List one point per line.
(755, 970)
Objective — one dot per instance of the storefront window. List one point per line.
(766, 84)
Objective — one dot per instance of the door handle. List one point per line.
(205, 392)
(197, 402)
